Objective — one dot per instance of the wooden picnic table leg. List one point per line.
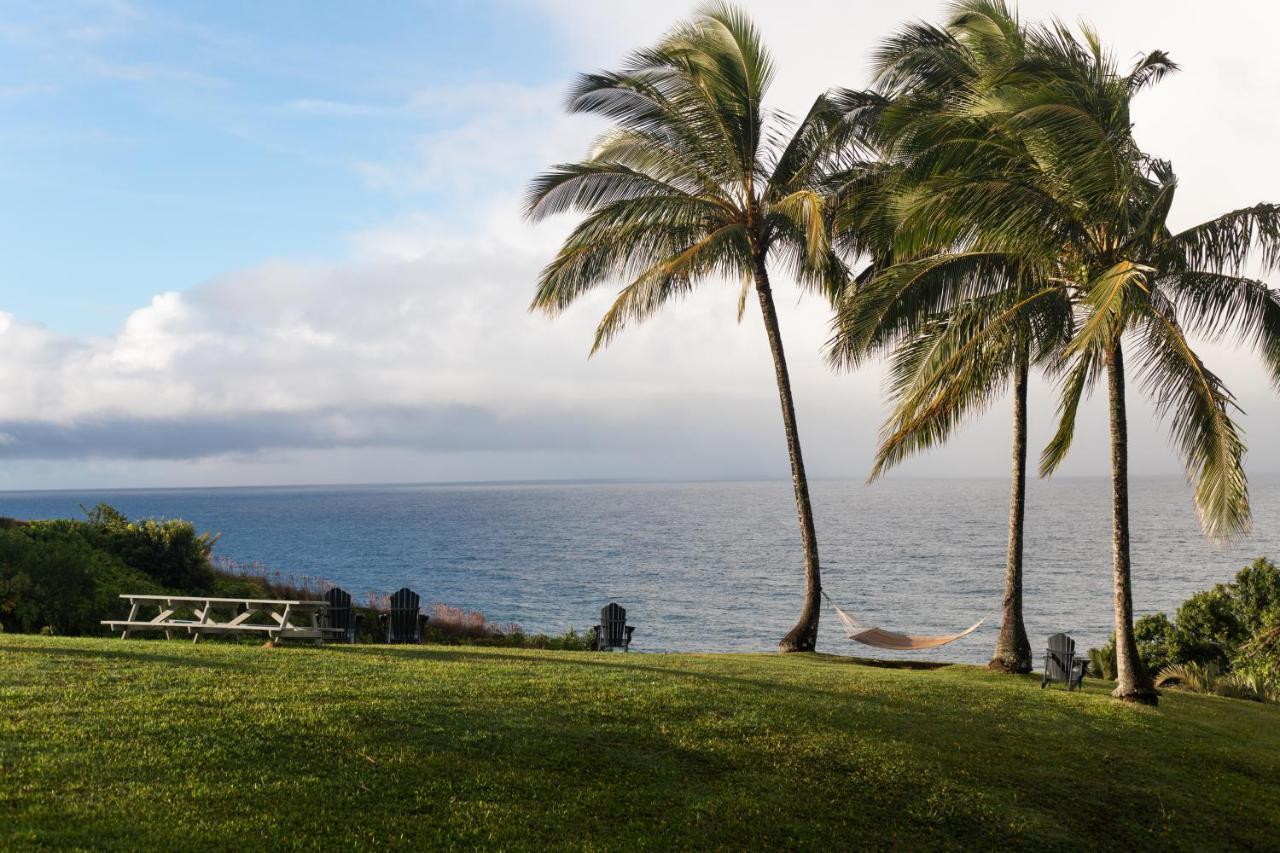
(204, 620)
(133, 614)
(284, 620)
(315, 625)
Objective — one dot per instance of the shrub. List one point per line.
(60, 585)
(1208, 678)
(1102, 662)
(1256, 594)
(1239, 685)
(167, 550)
(1211, 627)
(1208, 628)
(1260, 656)
(1157, 641)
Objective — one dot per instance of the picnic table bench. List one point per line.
(290, 619)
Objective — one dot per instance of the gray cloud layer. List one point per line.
(419, 351)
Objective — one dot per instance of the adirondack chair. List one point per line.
(404, 623)
(613, 632)
(342, 615)
(1061, 663)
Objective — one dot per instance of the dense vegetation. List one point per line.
(1225, 640)
(113, 744)
(62, 576)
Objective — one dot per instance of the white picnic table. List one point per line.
(290, 619)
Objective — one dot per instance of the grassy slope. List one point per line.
(151, 744)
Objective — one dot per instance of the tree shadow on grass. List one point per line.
(120, 654)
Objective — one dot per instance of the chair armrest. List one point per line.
(630, 630)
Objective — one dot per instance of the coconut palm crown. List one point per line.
(698, 181)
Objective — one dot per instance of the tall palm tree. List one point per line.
(1058, 184)
(928, 81)
(1157, 288)
(699, 181)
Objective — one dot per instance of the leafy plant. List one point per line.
(1214, 626)
(1261, 656)
(1156, 638)
(168, 550)
(1102, 662)
(1195, 677)
(1239, 685)
(60, 585)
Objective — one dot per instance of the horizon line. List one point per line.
(568, 481)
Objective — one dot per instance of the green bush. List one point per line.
(60, 585)
(1212, 627)
(167, 550)
(1260, 657)
(1208, 628)
(1102, 662)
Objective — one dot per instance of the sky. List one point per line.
(255, 243)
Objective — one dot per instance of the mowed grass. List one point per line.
(164, 745)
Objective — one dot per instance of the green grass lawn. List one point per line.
(152, 744)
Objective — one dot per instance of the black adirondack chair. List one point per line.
(1061, 663)
(342, 615)
(403, 624)
(613, 632)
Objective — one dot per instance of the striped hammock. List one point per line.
(883, 639)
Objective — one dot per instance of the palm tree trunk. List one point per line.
(1132, 682)
(804, 636)
(1013, 651)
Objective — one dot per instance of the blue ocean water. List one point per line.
(716, 566)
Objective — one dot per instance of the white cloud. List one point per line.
(417, 359)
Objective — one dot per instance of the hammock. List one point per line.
(882, 639)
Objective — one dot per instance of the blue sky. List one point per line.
(147, 147)
(281, 242)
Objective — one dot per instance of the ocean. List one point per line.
(716, 566)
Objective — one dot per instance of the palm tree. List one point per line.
(1158, 288)
(1055, 185)
(699, 181)
(928, 80)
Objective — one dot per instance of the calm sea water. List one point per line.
(716, 566)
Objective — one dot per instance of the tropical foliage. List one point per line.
(1215, 625)
(1209, 678)
(1224, 640)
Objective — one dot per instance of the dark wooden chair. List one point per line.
(613, 632)
(1061, 663)
(342, 615)
(404, 622)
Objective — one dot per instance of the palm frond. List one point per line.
(1077, 381)
(722, 252)
(1228, 244)
(1196, 405)
(1215, 305)
(1108, 297)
